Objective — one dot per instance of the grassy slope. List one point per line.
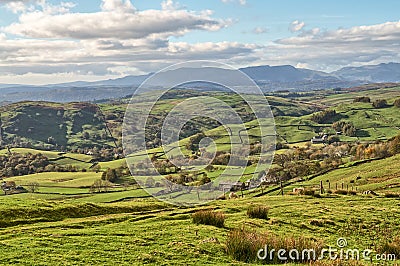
(58, 179)
(381, 176)
(169, 237)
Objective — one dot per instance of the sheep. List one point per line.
(370, 192)
(298, 190)
(233, 195)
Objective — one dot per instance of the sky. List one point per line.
(44, 42)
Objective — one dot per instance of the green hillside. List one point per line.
(381, 176)
(76, 201)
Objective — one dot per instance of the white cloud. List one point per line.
(118, 40)
(296, 26)
(169, 5)
(241, 2)
(16, 7)
(118, 19)
(329, 50)
(51, 40)
(260, 30)
(117, 6)
(106, 57)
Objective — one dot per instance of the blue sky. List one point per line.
(90, 40)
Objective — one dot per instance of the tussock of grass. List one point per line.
(345, 192)
(209, 218)
(391, 195)
(341, 192)
(308, 192)
(243, 245)
(392, 247)
(259, 212)
(322, 222)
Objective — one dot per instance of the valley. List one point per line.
(65, 179)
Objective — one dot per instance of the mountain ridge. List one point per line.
(269, 78)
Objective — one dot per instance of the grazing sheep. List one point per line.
(370, 192)
(222, 197)
(298, 190)
(233, 195)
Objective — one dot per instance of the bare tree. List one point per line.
(33, 187)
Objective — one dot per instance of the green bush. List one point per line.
(259, 212)
(315, 222)
(391, 195)
(209, 218)
(308, 192)
(392, 247)
(397, 103)
(379, 103)
(341, 192)
(362, 100)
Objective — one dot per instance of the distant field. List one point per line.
(380, 176)
(348, 97)
(48, 154)
(59, 179)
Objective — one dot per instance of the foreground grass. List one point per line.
(146, 231)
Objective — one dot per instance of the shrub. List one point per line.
(397, 103)
(392, 247)
(352, 193)
(341, 192)
(243, 245)
(362, 99)
(333, 139)
(346, 127)
(379, 104)
(324, 117)
(308, 192)
(391, 195)
(209, 218)
(319, 223)
(260, 212)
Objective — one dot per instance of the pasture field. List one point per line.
(56, 179)
(149, 232)
(381, 176)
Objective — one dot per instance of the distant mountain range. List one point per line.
(269, 78)
(373, 73)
